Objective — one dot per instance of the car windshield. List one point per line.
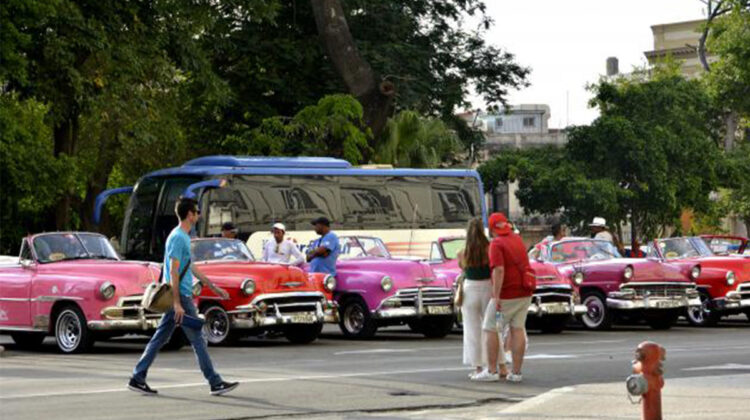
(724, 246)
(220, 249)
(452, 246)
(569, 251)
(359, 246)
(678, 248)
(73, 246)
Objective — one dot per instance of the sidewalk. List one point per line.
(706, 397)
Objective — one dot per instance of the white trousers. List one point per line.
(477, 295)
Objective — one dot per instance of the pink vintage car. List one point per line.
(73, 286)
(374, 289)
(615, 288)
(556, 299)
(723, 283)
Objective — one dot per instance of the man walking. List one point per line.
(281, 251)
(511, 295)
(178, 270)
(324, 250)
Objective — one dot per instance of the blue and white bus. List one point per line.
(407, 208)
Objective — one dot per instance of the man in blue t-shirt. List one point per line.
(324, 250)
(179, 271)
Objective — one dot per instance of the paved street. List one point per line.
(397, 375)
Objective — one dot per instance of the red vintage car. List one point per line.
(724, 281)
(72, 285)
(615, 288)
(264, 297)
(728, 245)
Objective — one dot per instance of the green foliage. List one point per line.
(417, 142)
(736, 176)
(333, 127)
(647, 157)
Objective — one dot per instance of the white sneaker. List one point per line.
(514, 377)
(486, 376)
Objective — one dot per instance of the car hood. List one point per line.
(268, 277)
(404, 272)
(548, 274)
(644, 270)
(129, 277)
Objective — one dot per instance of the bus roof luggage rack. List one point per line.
(270, 162)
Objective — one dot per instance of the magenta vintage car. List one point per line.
(615, 288)
(374, 289)
(73, 286)
(556, 298)
(723, 283)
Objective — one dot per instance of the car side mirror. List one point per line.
(27, 264)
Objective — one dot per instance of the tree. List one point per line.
(418, 142)
(647, 157)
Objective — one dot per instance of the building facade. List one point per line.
(680, 41)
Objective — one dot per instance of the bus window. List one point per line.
(453, 201)
(366, 202)
(136, 235)
(312, 196)
(413, 202)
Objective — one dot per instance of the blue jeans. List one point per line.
(161, 337)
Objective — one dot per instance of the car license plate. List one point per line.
(667, 304)
(439, 310)
(303, 319)
(558, 308)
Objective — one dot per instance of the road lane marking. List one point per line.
(727, 366)
(374, 351)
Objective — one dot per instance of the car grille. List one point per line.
(744, 290)
(659, 290)
(131, 307)
(430, 296)
(551, 294)
(292, 303)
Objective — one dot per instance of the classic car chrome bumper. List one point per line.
(654, 296)
(264, 311)
(556, 308)
(737, 299)
(416, 302)
(652, 303)
(127, 315)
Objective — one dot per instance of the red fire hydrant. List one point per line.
(647, 380)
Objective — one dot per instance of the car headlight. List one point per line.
(578, 278)
(695, 272)
(197, 288)
(386, 283)
(329, 283)
(107, 290)
(731, 277)
(248, 286)
(628, 273)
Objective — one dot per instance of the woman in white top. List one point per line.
(280, 251)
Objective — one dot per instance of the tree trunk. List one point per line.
(65, 136)
(730, 124)
(375, 95)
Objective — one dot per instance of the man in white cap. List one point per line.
(281, 251)
(599, 230)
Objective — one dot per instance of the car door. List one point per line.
(15, 289)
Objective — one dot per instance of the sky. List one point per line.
(566, 44)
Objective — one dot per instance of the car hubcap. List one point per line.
(595, 311)
(68, 330)
(354, 319)
(699, 314)
(217, 325)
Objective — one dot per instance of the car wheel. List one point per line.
(303, 334)
(597, 316)
(553, 324)
(71, 333)
(437, 326)
(218, 326)
(703, 315)
(28, 340)
(662, 321)
(355, 319)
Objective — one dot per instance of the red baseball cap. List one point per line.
(496, 218)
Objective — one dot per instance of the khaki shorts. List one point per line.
(514, 313)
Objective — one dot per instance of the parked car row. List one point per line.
(74, 286)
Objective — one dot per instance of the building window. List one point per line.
(529, 121)
(498, 122)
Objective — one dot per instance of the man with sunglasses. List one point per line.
(179, 271)
(281, 251)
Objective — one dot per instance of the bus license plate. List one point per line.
(303, 319)
(439, 310)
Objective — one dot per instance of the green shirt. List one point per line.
(477, 273)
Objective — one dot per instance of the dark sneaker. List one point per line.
(223, 387)
(141, 387)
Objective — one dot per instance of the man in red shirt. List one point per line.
(511, 294)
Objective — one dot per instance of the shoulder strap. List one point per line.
(182, 273)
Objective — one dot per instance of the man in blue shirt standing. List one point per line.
(324, 250)
(179, 271)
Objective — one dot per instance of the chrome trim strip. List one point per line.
(658, 284)
(15, 299)
(9, 328)
(54, 298)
